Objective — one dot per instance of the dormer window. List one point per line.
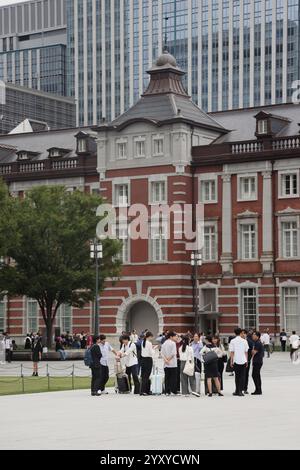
(23, 156)
(81, 145)
(56, 152)
(262, 126)
(85, 143)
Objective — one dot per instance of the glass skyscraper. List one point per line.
(237, 53)
(33, 45)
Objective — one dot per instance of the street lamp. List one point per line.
(196, 260)
(96, 253)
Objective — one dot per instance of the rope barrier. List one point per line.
(11, 381)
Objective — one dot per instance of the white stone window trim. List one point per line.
(290, 171)
(4, 302)
(119, 182)
(157, 179)
(27, 302)
(61, 314)
(241, 177)
(207, 177)
(282, 285)
(248, 285)
(287, 218)
(246, 221)
(210, 223)
(123, 226)
(121, 141)
(156, 137)
(136, 140)
(157, 224)
(208, 286)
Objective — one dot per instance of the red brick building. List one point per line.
(242, 166)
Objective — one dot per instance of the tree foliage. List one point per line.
(47, 235)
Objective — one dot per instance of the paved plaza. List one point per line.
(74, 420)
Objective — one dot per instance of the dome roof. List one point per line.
(166, 59)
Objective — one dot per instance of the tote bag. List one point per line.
(189, 368)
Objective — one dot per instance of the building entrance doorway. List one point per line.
(141, 316)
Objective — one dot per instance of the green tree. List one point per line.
(50, 249)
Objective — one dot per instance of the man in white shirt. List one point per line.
(8, 347)
(238, 348)
(265, 339)
(105, 349)
(169, 354)
(294, 343)
(128, 351)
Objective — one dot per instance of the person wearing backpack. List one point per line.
(95, 355)
(129, 353)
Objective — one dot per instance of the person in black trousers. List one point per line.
(283, 340)
(257, 362)
(95, 367)
(147, 352)
(250, 344)
(238, 348)
(37, 350)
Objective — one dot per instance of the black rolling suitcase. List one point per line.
(121, 380)
(122, 384)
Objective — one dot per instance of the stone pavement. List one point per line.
(74, 420)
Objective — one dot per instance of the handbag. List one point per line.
(189, 368)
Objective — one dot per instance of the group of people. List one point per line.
(184, 357)
(8, 346)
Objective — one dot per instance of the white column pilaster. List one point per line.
(226, 258)
(267, 222)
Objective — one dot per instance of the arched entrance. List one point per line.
(140, 312)
(141, 316)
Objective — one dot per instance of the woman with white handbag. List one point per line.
(187, 368)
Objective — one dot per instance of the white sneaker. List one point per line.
(196, 394)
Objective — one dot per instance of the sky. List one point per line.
(10, 2)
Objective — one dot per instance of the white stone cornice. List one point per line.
(247, 214)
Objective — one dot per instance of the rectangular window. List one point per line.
(158, 146)
(291, 310)
(247, 188)
(249, 308)
(158, 192)
(248, 241)
(139, 145)
(210, 244)
(289, 184)
(81, 145)
(32, 316)
(2, 315)
(64, 318)
(290, 236)
(121, 195)
(262, 126)
(122, 235)
(208, 191)
(158, 243)
(121, 150)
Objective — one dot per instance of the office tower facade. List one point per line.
(22, 103)
(237, 53)
(33, 45)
